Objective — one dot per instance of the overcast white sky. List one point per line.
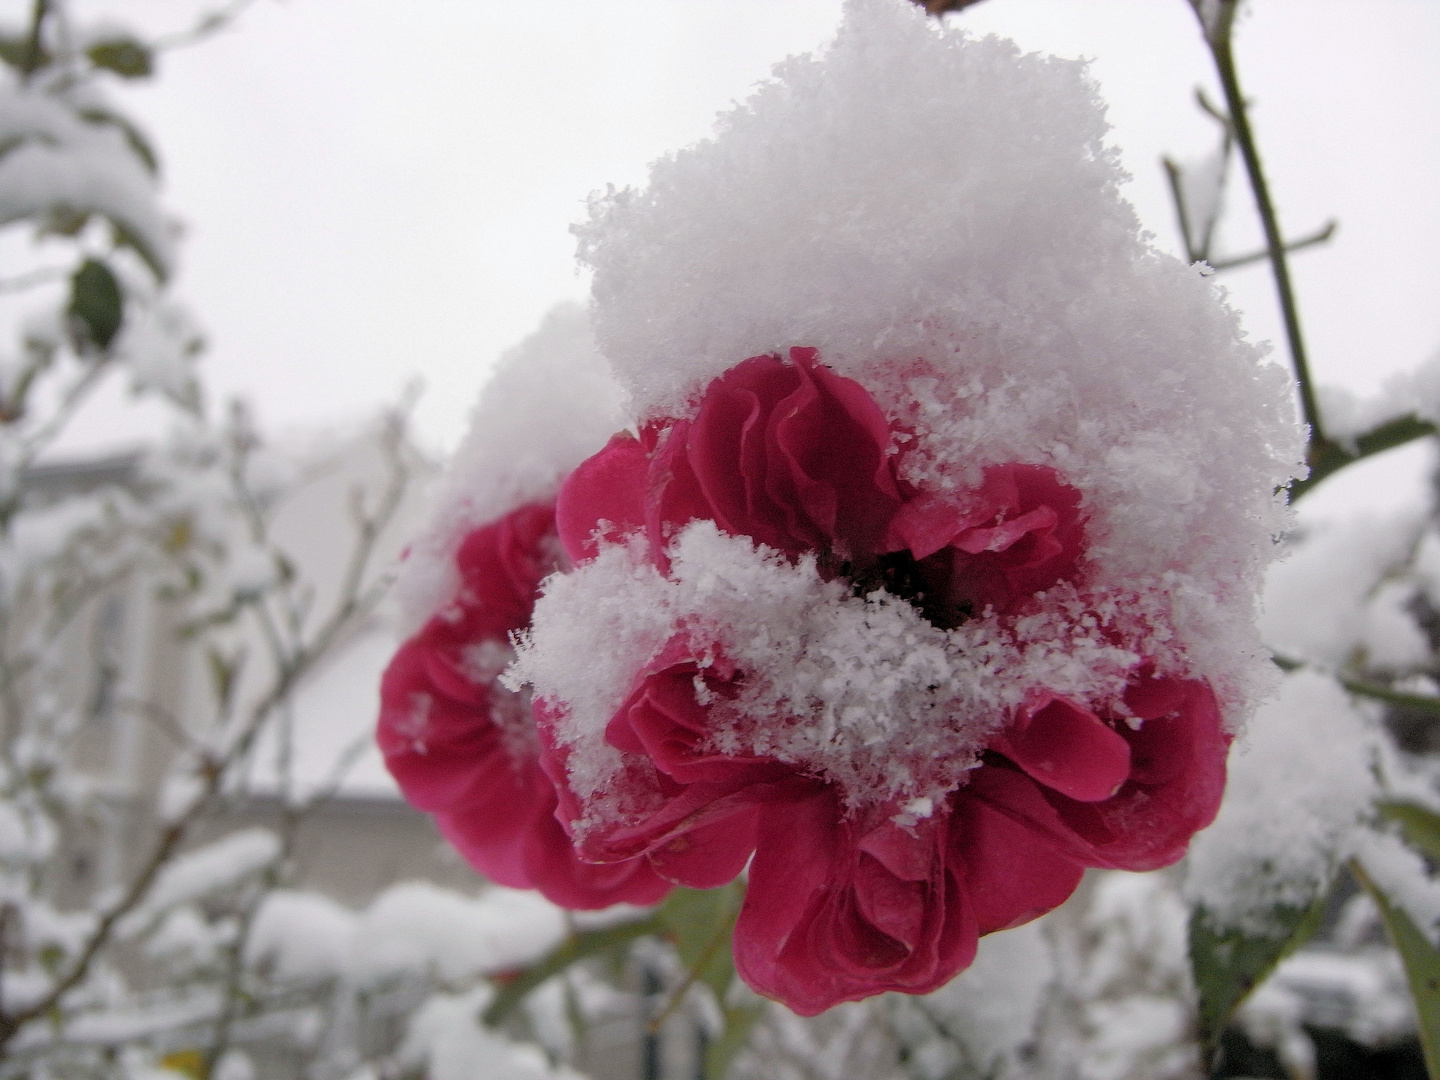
(380, 189)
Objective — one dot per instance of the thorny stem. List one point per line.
(1218, 36)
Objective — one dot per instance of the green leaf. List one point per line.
(1420, 826)
(125, 56)
(739, 1020)
(128, 237)
(15, 51)
(700, 922)
(96, 302)
(1229, 964)
(134, 138)
(576, 947)
(1422, 966)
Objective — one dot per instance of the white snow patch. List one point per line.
(861, 690)
(419, 927)
(1300, 785)
(551, 403)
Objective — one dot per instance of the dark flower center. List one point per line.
(921, 583)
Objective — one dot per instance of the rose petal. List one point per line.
(1066, 747)
(438, 749)
(604, 498)
(826, 921)
(1012, 873)
(711, 855)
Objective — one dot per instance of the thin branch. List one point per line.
(210, 23)
(1426, 703)
(1173, 174)
(354, 602)
(74, 396)
(1318, 237)
(692, 975)
(1215, 112)
(169, 840)
(1331, 457)
(161, 719)
(1219, 40)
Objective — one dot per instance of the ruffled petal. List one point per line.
(827, 918)
(1012, 872)
(438, 749)
(1066, 747)
(603, 499)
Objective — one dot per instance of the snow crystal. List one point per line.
(940, 217)
(551, 403)
(866, 691)
(1299, 787)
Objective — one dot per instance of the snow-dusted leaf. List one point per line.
(1422, 968)
(96, 303)
(124, 56)
(577, 947)
(1420, 826)
(1229, 963)
(701, 921)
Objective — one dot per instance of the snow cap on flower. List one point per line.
(551, 402)
(940, 218)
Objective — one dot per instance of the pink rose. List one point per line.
(840, 907)
(464, 748)
(801, 460)
(846, 902)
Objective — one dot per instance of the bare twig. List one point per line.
(1218, 36)
(1320, 236)
(356, 601)
(209, 23)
